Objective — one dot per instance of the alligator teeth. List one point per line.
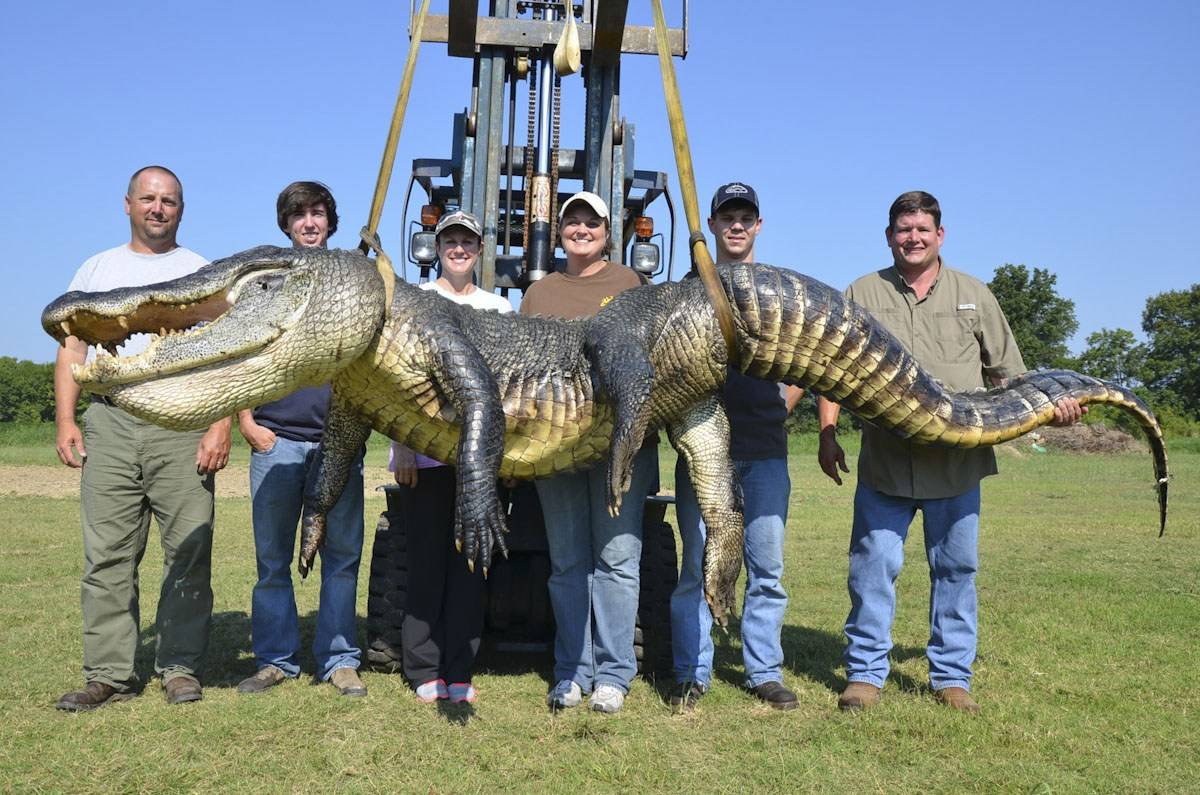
(66, 327)
(111, 347)
(162, 331)
(76, 369)
(123, 321)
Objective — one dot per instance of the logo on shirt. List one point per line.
(604, 301)
(961, 307)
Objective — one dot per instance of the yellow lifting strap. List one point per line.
(567, 56)
(370, 232)
(687, 184)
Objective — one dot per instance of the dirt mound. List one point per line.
(1080, 438)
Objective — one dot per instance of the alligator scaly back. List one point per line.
(797, 330)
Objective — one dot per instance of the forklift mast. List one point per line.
(513, 186)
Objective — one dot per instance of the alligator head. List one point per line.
(237, 333)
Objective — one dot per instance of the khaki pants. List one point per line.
(135, 469)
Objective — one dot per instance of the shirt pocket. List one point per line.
(956, 334)
(893, 320)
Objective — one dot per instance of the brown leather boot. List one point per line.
(183, 689)
(347, 682)
(776, 695)
(266, 677)
(957, 698)
(858, 696)
(93, 695)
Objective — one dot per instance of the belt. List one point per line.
(103, 399)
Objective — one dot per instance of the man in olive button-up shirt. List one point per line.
(954, 327)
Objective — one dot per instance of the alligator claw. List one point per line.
(720, 578)
(721, 596)
(312, 536)
(477, 539)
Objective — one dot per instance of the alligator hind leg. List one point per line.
(627, 375)
(343, 438)
(701, 436)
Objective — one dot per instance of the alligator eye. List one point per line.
(270, 282)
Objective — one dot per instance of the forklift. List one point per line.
(515, 187)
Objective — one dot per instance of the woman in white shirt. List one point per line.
(443, 618)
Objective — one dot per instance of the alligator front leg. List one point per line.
(343, 438)
(628, 377)
(463, 375)
(701, 436)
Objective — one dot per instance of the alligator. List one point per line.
(511, 396)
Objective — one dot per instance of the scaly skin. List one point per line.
(506, 396)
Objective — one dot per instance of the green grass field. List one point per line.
(1089, 629)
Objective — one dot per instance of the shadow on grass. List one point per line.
(457, 714)
(230, 655)
(808, 653)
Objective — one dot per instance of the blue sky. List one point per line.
(1056, 135)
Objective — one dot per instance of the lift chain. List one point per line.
(555, 125)
(529, 154)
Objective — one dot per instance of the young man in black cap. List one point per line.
(758, 446)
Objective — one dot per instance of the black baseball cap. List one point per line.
(733, 192)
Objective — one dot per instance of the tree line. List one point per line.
(1164, 370)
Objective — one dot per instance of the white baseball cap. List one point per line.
(588, 198)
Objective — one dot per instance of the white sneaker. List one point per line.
(431, 691)
(564, 695)
(607, 698)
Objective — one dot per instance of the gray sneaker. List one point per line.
(607, 699)
(564, 695)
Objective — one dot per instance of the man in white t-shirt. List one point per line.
(132, 470)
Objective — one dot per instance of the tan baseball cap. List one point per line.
(459, 218)
(588, 198)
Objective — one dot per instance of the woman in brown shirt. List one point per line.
(594, 557)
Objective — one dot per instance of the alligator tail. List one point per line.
(797, 330)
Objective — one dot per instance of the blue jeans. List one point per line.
(881, 525)
(766, 487)
(277, 495)
(595, 564)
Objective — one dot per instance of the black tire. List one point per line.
(387, 591)
(518, 597)
(659, 575)
(518, 600)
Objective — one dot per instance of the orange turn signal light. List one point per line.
(430, 213)
(643, 226)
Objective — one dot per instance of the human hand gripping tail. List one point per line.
(1068, 412)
